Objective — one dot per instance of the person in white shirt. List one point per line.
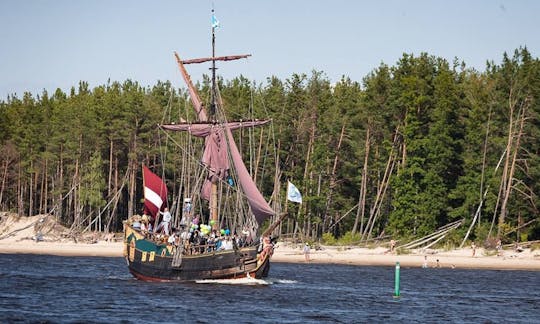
(171, 240)
(165, 224)
(227, 244)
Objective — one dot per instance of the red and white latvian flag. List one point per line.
(155, 192)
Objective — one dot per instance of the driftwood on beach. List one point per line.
(432, 238)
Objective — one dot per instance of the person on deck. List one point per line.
(172, 239)
(227, 244)
(145, 225)
(217, 243)
(186, 216)
(136, 225)
(165, 224)
(267, 250)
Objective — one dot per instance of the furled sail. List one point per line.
(197, 103)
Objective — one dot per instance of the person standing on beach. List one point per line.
(425, 265)
(498, 247)
(306, 252)
(473, 247)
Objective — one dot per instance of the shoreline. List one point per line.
(18, 234)
(456, 259)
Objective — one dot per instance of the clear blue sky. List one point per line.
(49, 44)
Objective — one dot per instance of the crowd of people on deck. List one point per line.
(196, 238)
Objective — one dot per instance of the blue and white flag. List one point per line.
(293, 194)
(215, 22)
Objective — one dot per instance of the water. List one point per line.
(52, 289)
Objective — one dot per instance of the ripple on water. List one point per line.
(66, 289)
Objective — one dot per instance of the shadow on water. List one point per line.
(81, 289)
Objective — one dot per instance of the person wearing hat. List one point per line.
(306, 251)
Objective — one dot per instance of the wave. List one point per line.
(247, 281)
(239, 281)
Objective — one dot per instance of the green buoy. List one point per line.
(396, 288)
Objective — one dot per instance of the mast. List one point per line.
(213, 68)
(214, 133)
(213, 195)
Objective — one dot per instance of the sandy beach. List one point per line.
(461, 258)
(525, 260)
(20, 233)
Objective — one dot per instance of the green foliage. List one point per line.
(481, 232)
(347, 239)
(437, 133)
(93, 182)
(329, 239)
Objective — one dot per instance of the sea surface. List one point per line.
(53, 289)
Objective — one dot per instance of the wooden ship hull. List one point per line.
(148, 261)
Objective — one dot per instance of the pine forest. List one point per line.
(412, 148)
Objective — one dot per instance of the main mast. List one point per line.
(213, 195)
(209, 119)
(213, 68)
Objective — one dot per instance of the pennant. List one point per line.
(293, 194)
(155, 193)
(215, 21)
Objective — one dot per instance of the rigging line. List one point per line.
(278, 174)
(162, 155)
(250, 137)
(251, 132)
(163, 151)
(196, 160)
(115, 195)
(240, 192)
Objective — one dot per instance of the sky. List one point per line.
(50, 44)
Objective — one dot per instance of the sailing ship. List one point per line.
(204, 247)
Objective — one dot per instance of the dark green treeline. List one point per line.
(413, 147)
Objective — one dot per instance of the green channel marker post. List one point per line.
(396, 290)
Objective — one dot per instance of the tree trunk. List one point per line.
(20, 205)
(4, 177)
(109, 179)
(31, 193)
(509, 179)
(360, 212)
(60, 211)
(484, 165)
(133, 170)
(332, 184)
(308, 164)
(381, 190)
